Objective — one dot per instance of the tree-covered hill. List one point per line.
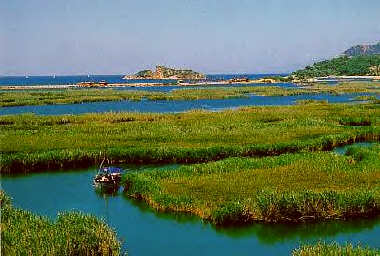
(342, 66)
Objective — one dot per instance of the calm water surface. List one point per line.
(342, 150)
(62, 80)
(145, 232)
(173, 106)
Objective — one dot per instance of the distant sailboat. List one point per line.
(54, 76)
(26, 76)
(88, 75)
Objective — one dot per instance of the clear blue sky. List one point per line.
(211, 36)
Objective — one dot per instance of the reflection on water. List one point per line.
(269, 233)
(275, 233)
(147, 232)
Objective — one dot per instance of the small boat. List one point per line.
(108, 178)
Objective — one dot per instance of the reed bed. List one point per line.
(73, 233)
(34, 143)
(311, 101)
(287, 188)
(345, 87)
(366, 98)
(334, 249)
(73, 96)
(68, 96)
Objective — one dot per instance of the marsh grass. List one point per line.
(366, 98)
(73, 233)
(30, 143)
(311, 101)
(69, 96)
(345, 88)
(286, 188)
(333, 249)
(72, 96)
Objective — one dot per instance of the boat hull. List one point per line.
(106, 186)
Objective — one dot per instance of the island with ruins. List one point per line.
(163, 72)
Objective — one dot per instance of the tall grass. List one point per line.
(68, 96)
(30, 143)
(333, 249)
(23, 233)
(71, 96)
(290, 187)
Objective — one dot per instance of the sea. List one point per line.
(68, 80)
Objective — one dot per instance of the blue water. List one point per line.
(64, 80)
(342, 150)
(209, 85)
(146, 232)
(169, 88)
(60, 80)
(172, 106)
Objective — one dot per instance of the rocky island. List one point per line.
(163, 72)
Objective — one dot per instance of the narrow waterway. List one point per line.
(145, 232)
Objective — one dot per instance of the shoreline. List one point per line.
(112, 85)
(185, 84)
(342, 79)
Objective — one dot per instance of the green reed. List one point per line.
(366, 98)
(333, 249)
(67, 96)
(73, 233)
(74, 96)
(290, 187)
(29, 142)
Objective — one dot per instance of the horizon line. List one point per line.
(97, 74)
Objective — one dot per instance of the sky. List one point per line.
(71, 37)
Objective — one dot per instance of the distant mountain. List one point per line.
(162, 72)
(363, 49)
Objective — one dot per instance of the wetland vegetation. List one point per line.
(332, 249)
(72, 96)
(34, 143)
(73, 233)
(252, 164)
(137, 224)
(286, 188)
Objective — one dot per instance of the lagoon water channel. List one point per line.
(167, 106)
(174, 106)
(146, 232)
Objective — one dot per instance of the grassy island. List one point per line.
(75, 96)
(35, 143)
(286, 188)
(23, 233)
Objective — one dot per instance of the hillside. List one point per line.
(356, 61)
(363, 50)
(163, 72)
